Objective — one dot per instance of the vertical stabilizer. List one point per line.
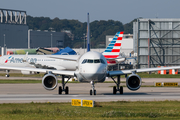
(88, 34)
(113, 49)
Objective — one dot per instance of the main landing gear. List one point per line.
(62, 88)
(92, 91)
(7, 73)
(117, 88)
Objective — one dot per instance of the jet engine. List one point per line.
(133, 82)
(49, 82)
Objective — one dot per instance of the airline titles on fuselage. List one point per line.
(20, 60)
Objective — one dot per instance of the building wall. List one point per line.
(158, 42)
(43, 39)
(16, 36)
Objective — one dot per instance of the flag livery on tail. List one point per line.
(113, 49)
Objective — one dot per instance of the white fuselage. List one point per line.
(40, 61)
(92, 66)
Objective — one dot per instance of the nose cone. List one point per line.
(95, 73)
(95, 69)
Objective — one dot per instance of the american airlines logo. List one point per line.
(20, 60)
(8, 59)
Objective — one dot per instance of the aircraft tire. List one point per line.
(114, 89)
(7, 75)
(121, 90)
(94, 92)
(90, 92)
(67, 90)
(60, 90)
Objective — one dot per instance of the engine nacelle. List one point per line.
(49, 82)
(133, 82)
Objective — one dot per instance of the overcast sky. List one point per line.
(120, 10)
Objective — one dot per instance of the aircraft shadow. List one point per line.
(117, 94)
(126, 93)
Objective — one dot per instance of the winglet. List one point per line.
(25, 57)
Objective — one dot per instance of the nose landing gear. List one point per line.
(7, 73)
(93, 91)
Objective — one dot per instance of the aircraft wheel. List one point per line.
(67, 90)
(94, 92)
(7, 75)
(114, 90)
(60, 90)
(90, 92)
(121, 90)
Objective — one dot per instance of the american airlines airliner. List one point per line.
(61, 62)
(89, 67)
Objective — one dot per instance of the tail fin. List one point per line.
(113, 49)
(88, 32)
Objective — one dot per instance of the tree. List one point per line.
(98, 29)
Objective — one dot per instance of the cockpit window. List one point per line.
(102, 61)
(89, 61)
(84, 61)
(93, 61)
(97, 61)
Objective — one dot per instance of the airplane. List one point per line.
(61, 62)
(91, 67)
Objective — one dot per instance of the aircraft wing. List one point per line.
(124, 72)
(63, 72)
(62, 58)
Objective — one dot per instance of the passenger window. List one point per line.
(102, 61)
(89, 61)
(97, 61)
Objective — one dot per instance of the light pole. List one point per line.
(51, 41)
(84, 42)
(4, 40)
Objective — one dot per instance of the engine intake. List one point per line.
(49, 82)
(133, 82)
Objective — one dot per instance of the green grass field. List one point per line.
(103, 110)
(142, 75)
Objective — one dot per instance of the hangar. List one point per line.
(14, 32)
(13, 28)
(157, 42)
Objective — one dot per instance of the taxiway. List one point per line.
(25, 93)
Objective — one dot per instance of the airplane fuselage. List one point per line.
(92, 66)
(94, 61)
(39, 61)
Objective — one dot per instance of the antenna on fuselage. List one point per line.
(88, 33)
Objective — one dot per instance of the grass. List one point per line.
(142, 75)
(103, 110)
(19, 81)
(21, 75)
(154, 75)
(27, 81)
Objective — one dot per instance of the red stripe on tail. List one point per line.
(119, 38)
(115, 50)
(117, 44)
(111, 56)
